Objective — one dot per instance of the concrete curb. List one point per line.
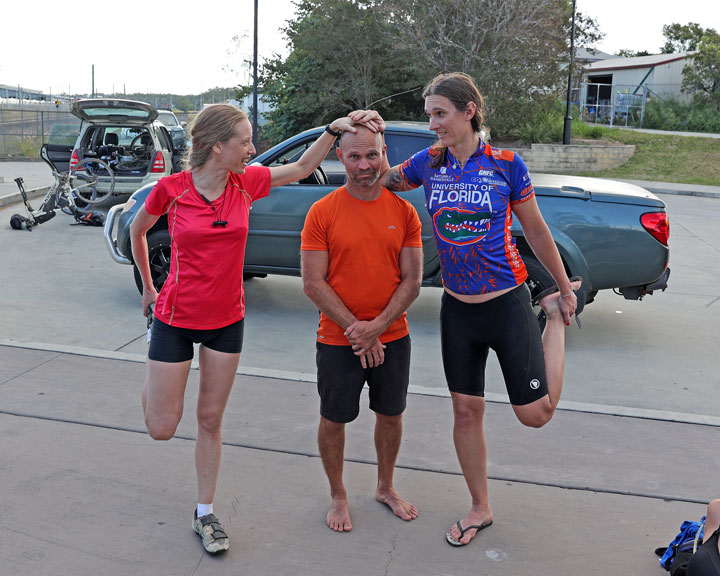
(15, 197)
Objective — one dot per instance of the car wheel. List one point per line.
(159, 256)
(538, 280)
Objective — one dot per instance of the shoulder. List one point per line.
(172, 185)
(499, 153)
(397, 200)
(328, 203)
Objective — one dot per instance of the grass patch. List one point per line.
(659, 157)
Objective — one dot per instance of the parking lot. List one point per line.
(60, 288)
(641, 387)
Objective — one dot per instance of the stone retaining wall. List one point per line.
(574, 158)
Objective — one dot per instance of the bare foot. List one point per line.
(474, 518)
(338, 517)
(551, 303)
(400, 507)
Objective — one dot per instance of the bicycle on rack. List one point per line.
(74, 192)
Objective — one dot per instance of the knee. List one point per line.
(536, 419)
(330, 428)
(389, 421)
(210, 421)
(468, 413)
(161, 428)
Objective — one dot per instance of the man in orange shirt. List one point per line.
(362, 267)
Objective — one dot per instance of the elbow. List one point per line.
(310, 288)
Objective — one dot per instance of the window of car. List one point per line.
(401, 146)
(168, 119)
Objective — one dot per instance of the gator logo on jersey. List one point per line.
(461, 227)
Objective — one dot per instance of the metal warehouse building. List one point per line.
(615, 91)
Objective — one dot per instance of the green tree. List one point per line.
(517, 50)
(681, 37)
(701, 75)
(625, 53)
(343, 57)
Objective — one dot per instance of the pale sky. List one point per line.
(186, 47)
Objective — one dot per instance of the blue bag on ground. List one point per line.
(681, 549)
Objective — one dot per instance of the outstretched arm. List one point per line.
(313, 156)
(540, 239)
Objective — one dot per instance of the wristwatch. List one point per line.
(331, 131)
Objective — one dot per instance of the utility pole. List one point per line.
(568, 119)
(93, 80)
(255, 79)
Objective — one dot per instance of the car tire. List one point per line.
(538, 280)
(159, 257)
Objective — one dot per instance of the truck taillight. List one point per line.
(658, 225)
(158, 163)
(74, 159)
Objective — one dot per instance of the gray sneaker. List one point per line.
(211, 532)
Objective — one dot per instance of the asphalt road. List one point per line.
(656, 358)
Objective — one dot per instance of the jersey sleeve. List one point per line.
(522, 188)
(413, 168)
(159, 199)
(256, 180)
(314, 233)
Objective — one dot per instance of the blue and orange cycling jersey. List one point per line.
(470, 208)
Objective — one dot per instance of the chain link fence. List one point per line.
(614, 105)
(25, 127)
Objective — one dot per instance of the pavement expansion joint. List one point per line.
(604, 409)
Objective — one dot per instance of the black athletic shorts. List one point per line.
(706, 561)
(508, 326)
(173, 344)
(341, 378)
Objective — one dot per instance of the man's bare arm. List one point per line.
(314, 266)
(362, 334)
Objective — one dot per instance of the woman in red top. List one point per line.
(202, 300)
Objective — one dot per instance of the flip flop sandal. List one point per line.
(478, 527)
(579, 294)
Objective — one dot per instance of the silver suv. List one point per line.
(129, 137)
(175, 127)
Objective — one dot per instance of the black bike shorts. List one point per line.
(340, 380)
(173, 344)
(706, 561)
(508, 326)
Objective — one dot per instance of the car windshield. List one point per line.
(168, 119)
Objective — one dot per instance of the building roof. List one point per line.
(592, 54)
(636, 62)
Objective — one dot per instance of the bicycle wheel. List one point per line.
(92, 180)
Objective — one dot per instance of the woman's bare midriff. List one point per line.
(477, 298)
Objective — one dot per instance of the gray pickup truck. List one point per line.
(613, 234)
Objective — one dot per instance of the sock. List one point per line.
(204, 510)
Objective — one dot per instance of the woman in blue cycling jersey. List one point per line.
(472, 193)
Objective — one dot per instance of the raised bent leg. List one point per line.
(217, 374)
(469, 437)
(540, 412)
(388, 435)
(331, 442)
(163, 396)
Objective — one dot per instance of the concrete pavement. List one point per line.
(86, 491)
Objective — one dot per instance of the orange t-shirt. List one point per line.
(363, 240)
